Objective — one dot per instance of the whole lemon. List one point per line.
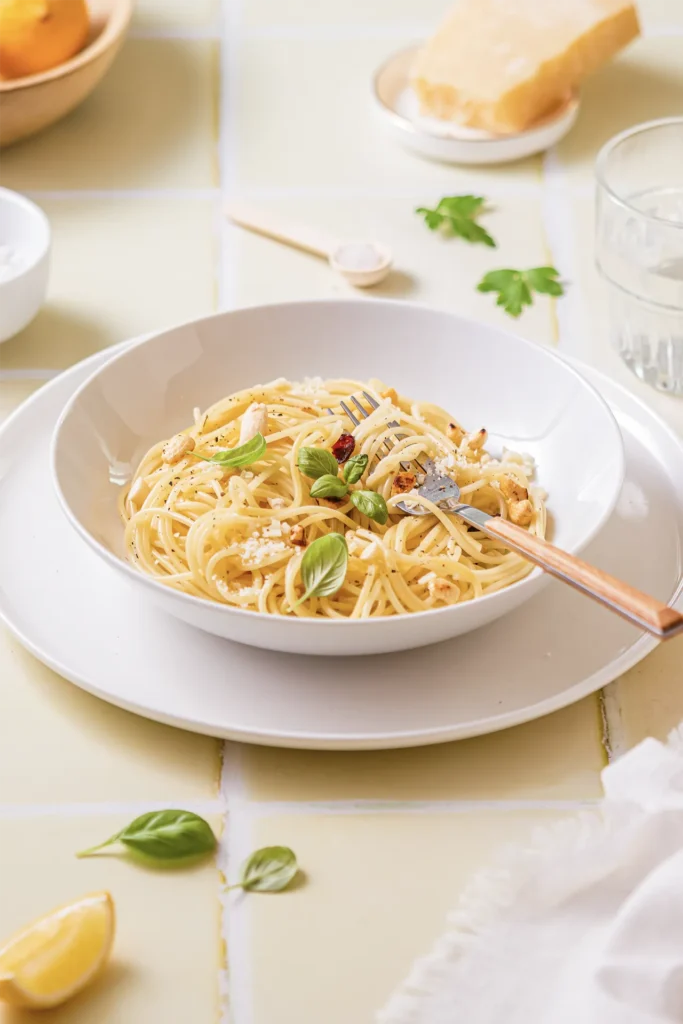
(36, 35)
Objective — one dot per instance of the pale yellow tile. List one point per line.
(150, 124)
(166, 956)
(178, 14)
(558, 757)
(378, 889)
(14, 392)
(429, 268)
(650, 696)
(361, 13)
(646, 82)
(60, 745)
(305, 117)
(120, 267)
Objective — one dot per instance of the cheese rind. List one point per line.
(500, 65)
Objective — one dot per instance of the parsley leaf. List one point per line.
(456, 215)
(515, 287)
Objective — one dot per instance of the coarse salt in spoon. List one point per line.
(361, 263)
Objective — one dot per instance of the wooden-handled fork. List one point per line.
(642, 610)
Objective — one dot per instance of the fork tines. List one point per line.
(365, 414)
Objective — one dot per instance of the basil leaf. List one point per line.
(371, 504)
(354, 468)
(270, 869)
(315, 462)
(328, 486)
(323, 566)
(164, 835)
(243, 455)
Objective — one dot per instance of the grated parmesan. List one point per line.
(445, 463)
(309, 386)
(255, 549)
(274, 529)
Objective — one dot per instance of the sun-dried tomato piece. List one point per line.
(343, 448)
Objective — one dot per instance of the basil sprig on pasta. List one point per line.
(328, 486)
(322, 466)
(354, 468)
(243, 455)
(316, 462)
(323, 567)
(371, 504)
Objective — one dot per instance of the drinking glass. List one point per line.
(639, 247)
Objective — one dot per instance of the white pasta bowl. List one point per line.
(529, 400)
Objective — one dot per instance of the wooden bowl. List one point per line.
(27, 105)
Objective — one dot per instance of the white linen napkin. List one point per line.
(583, 927)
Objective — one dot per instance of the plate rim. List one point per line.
(631, 656)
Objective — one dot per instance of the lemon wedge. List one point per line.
(57, 956)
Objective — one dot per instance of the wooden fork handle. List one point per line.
(657, 618)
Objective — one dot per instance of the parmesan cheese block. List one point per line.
(502, 64)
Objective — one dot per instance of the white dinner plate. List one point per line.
(86, 622)
(399, 112)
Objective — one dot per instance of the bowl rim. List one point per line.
(116, 24)
(33, 210)
(170, 593)
(565, 111)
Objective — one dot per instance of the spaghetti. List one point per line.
(237, 534)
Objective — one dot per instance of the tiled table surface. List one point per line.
(270, 101)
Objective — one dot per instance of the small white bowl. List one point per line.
(25, 230)
(528, 398)
(399, 112)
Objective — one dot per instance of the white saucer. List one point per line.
(399, 111)
(83, 620)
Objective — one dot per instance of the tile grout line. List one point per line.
(274, 192)
(234, 797)
(228, 138)
(236, 923)
(89, 809)
(559, 233)
(56, 194)
(614, 740)
(28, 374)
(570, 311)
(236, 989)
(332, 32)
(256, 809)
